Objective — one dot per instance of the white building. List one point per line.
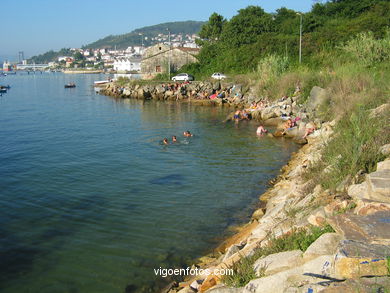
(127, 64)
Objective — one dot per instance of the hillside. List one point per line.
(130, 39)
(134, 39)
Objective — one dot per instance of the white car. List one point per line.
(218, 75)
(183, 77)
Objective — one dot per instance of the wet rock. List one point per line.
(277, 262)
(273, 121)
(258, 214)
(300, 141)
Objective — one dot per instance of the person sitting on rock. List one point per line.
(214, 96)
(260, 130)
(244, 115)
(237, 115)
(310, 127)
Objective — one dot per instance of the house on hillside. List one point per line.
(127, 64)
(156, 58)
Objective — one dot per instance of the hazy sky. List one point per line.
(36, 26)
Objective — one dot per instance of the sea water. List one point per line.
(92, 201)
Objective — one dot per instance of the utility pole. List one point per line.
(300, 39)
(169, 54)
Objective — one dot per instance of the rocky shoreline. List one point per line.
(353, 257)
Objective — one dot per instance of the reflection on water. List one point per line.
(92, 202)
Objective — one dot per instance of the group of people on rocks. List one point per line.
(174, 137)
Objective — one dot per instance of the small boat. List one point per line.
(70, 85)
(3, 90)
(101, 82)
(5, 87)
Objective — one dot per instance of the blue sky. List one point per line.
(36, 26)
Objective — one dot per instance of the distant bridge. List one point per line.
(31, 66)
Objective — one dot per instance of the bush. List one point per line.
(243, 271)
(367, 50)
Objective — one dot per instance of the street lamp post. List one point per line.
(300, 39)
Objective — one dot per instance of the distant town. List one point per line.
(169, 50)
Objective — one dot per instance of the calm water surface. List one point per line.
(90, 201)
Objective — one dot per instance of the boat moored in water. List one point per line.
(70, 85)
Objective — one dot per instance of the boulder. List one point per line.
(326, 244)
(374, 228)
(385, 150)
(347, 267)
(231, 250)
(309, 272)
(379, 185)
(366, 207)
(382, 109)
(358, 249)
(384, 165)
(224, 289)
(361, 285)
(278, 262)
(273, 121)
(358, 191)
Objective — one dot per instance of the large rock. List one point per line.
(224, 289)
(273, 121)
(358, 191)
(373, 228)
(366, 207)
(347, 267)
(379, 185)
(384, 165)
(361, 285)
(321, 267)
(382, 109)
(358, 249)
(318, 96)
(385, 150)
(277, 262)
(326, 244)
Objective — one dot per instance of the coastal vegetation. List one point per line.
(297, 239)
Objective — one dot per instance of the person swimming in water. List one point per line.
(260, 130)
(187, 134)
(174, 138)
(165, 141)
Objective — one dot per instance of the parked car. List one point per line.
(182, 77)
(218, 75)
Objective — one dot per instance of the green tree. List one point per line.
(213, 28)
(246, 26)
(78, 56)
